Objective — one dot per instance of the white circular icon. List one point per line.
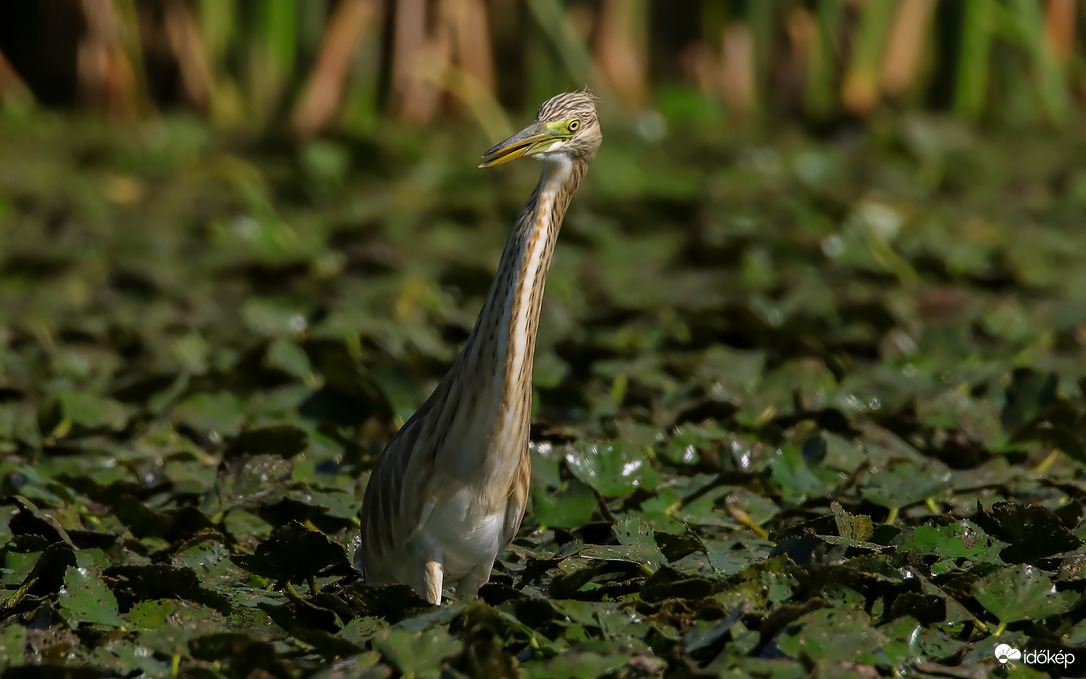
(1004, 654)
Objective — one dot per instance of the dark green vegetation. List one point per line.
(801, 405)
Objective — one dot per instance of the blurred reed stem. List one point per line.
(971, 83)
(323, 63)
(1027, 21)
(860, 92)
(272, 51)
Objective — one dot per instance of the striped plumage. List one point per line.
(449, 491)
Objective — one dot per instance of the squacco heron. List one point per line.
(450, 489)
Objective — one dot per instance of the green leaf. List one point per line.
(13, 645)
(851, 526)
(273, 319)
(192, 352)
(905, 484)
(92, 411)
(153, 614)
(219, 412)
(637, 544)
(1033, 531)
(613, 468)
(575, 665)
(569, 507)
(1022, 593)
(290, 358)
(732, 556)
(961, 540)
(292, 551)
(416, 653)
(85, 597)
(792, 477)
(836, 636)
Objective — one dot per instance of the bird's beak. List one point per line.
(532, 139)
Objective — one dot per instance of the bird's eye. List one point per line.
(573, 125)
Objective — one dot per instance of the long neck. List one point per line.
(501, 347)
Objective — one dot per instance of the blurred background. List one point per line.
(220, 198)
(343, 64)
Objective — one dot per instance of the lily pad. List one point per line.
(416, 653)
(85, 598)
(92, 411)
(837, 636)
(614, 468)
(1022, 593)
(961, 540)
(291, 552)
(905, 484)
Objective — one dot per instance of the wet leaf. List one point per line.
(1022, 593)
(135, 583)
(851, 526)
(905, 484)
(156, 614)
(569, 507)
(962, 540)
(273, 319)
(85, 598)
(283, 441)
(1033, 532)
(416, 653)
(836, 636)
(13, 640)
(292, 551)
(92, 411)
(219, 413)
(576, 665)
(613, 469)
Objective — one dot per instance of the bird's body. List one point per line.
(449, 491)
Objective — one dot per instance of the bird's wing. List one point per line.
(518, 498)
(397, 500)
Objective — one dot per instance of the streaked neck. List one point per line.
(533, 242)
(501, 346)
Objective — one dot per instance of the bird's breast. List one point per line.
(465, 535)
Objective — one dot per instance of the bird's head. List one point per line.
(565, 127)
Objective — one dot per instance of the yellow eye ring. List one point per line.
(573, 125)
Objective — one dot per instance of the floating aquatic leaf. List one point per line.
(837, 636)
(135, 583)
(1032, 531)
(85, 598)
(637, 544)
(1022, 593)
(792, 476)
(219, 413)
(416, 653)
(614, 469)
(13, 646)
(851, 526)
(905, 484)
(283, 441)
(157, 614)
(290, 358)
(92, 411)
(575, 665)
(961, 540)
(292, 551)
(569, 507)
